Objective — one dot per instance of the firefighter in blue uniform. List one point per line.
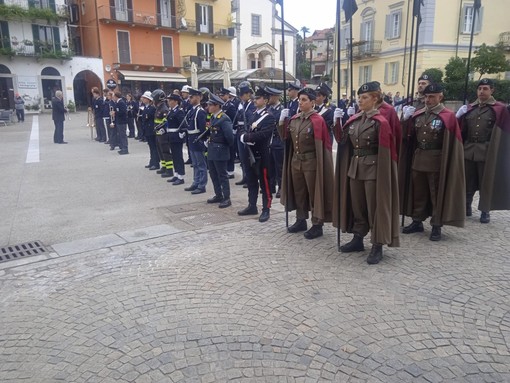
(293, 89)
(256, 138)
(275, 144)
(196, 123)
(220, 139)
(324, 107)
(176, 137)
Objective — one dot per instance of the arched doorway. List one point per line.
(6, 88)
(83, 82)
(51, 81)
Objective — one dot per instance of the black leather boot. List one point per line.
(264, 216)
(435, 235)
(356, 244)
(314, 232)
(375, 255)
(469, 202)
(249, 210)
(485, 217)
(414, 227)
(299, 225)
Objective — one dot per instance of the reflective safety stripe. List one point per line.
(194, 131)
(172, 130)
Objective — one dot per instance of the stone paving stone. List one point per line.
(262, 305)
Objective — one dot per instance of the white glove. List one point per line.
(244, 142)
(351, 111)
(182, 135)
(338, 114)
(242, 139)
(284, 114)
(462, 111)
(206, 143)
(408, 112)
(240, 107)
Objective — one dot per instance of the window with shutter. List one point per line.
(5, 39)
(255, 25)
(121, 10)
(204, 14)
(168, 53)
(123, 47)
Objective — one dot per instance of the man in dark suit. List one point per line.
(58, 114)
(221, 138)
(121, 121)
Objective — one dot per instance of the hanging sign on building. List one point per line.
(111, 84)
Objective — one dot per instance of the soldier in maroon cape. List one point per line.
(307, 167)
(366, 178)
(485, 126)
(436, 185)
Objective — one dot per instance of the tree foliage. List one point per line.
(435, 74)
(490, 60)
(455, 70)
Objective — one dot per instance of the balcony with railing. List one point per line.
(364, 49)
(29, 10)
(211, 63)
(504, 40)
(38, 49)
(217, 30)
(107, 14)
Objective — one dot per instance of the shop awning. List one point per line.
(133, 75)
(267, 75)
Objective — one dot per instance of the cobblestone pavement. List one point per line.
(247, 302)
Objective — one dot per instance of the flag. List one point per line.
(279, 2)
(477, 5)
(350, 7)
(417, 9)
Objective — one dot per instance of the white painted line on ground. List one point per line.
(33, 145)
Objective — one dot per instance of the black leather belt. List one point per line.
(430, 145)
(477, 140)
(365, 152)
(305, 156)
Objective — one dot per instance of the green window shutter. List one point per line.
(198, 16)
(56, 39)
(36, 39)
(386, 69)
(52, 5)
(6, 39)
(210, 19)
(387, 27)
(200, 50)
(478, 21)
(31, 3)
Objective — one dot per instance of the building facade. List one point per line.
(36, 56)
(321, 54)
(380, 28)
(258, 39)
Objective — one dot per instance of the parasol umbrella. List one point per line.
(194, 76)
(226, 75)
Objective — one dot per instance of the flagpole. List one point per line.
(468, 66)
(338, 48)
(415, 55)
(410, 93)
(285, 150)
(352, 65)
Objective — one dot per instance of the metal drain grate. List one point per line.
(23, 250)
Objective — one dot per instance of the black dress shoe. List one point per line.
(264, 216)
(112, 147)
(299, 225)
(469, 210)
(278, 194)
(225, 203)
(178, 182)
(245, 186)
(215, 199)
(161, 171)
(148, 166)
(173, 179)
(123, 152)
(107, 142)
(314, 232)
(190, 188)
(375, 255)
(414, 227)
(249, 210)
(63, 142)
(198, 191)
(231, 176)
(242, 182)
(188, 162)
(167, 174)
(153, 167)
(435, 234)
(485, 217)
(356, 244)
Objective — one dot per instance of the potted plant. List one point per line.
(71, 106)
(28, 43)
(14, 40)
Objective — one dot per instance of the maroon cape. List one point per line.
(389, 113)
(324, 170)
(386, 226)
(451, 192)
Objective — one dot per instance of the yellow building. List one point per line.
(381, 29)
(207, 33)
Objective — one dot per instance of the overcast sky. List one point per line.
(318, 14)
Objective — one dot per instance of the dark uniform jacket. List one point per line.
(148, 120)
(293, 106)
(97, 106)
(326, 111)
(221, 137)
(245, 115)
(276, 141)
(132, 107)
(106, 107)
(260, 132)
(120, 112)
(196, 121)
(175, 124)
